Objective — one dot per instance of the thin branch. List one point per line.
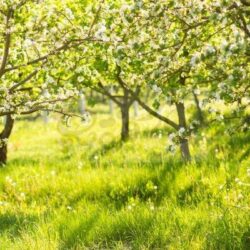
(143, 105)
(244, 25)
(95, 18)
(32, 74)
(154, 113)
(103, 91)
(7, 42)
(56, 51)
(132, 99)
(64, 113)
(33, 110)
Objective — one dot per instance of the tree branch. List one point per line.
(132, 99)
(95, 18)
(56, 51)
(245, 2)
(105, 92)
(244, 25)
(7, 42)
(32, 74)
(145, 106)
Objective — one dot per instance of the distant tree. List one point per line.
(124, 100)
(152, 45)
(173, 48)
(93, 74)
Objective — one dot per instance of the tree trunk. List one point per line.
(3, 154)
(125, 122)
(125, 106)
(198, 107)
(5, 134)
(184, 144)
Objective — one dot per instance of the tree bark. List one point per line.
(185, 152)
(125, 106)
(5, 134)
(125, 123)
(3, 154)
(184, 144)
(199, 110)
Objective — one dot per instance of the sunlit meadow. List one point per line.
(78, 187)
(124, 124)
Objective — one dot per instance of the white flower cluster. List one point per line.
(3, 142)
(101, 32)
(195, 59)
(156, 89)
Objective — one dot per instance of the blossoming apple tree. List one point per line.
(225, 73)
(175, 48)
(36, 39)
(154, 43)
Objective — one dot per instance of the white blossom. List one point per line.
(195, 59)
(181, 131)
(80, 78)
(156, 89)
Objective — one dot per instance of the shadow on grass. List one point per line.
(155, 132)
(162, 175)
(117, 144)
(105, 148)
(240, 142)
(72, 237)
(106, 231)
(132, 230)
(246, 239)
(23, 161)
(13, 224)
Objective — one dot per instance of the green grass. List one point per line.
(78, 187)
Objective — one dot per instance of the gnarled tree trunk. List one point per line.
(184, 144)
(5, 134)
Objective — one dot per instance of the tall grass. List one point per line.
(80, 188)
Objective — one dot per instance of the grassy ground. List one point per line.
(79, 188)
